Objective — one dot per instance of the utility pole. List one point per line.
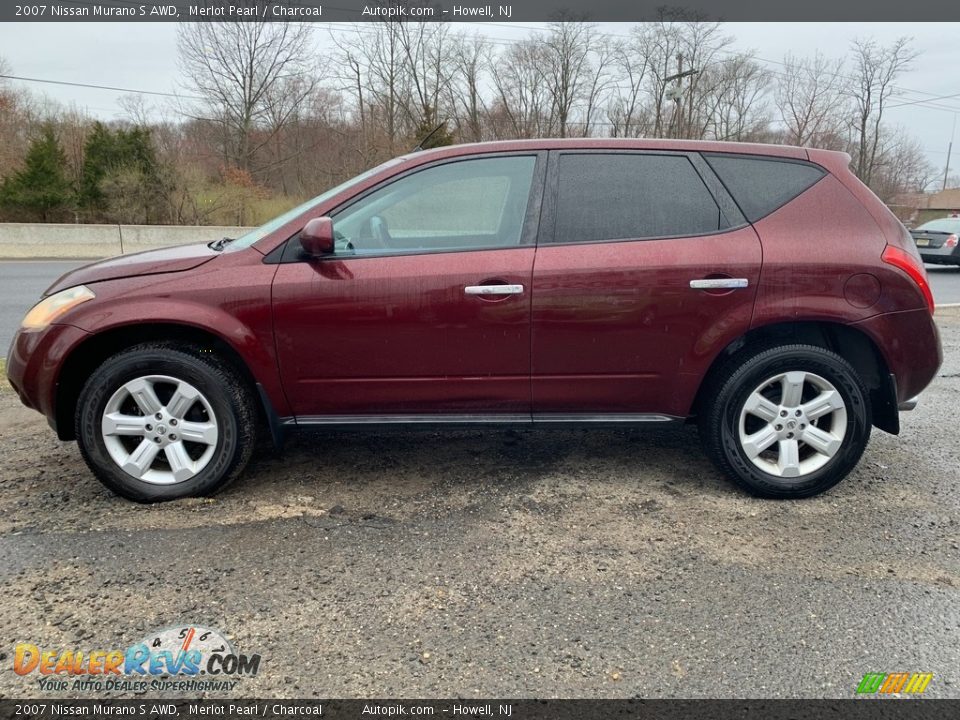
(679, 98)
(946, 170)
(676, 94)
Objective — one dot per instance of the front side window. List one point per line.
(608, 196)
(462, 205)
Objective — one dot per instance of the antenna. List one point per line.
(433, 132)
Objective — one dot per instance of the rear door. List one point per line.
(645, 269)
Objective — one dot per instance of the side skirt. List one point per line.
(451, 420)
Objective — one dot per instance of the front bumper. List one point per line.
(34, 363)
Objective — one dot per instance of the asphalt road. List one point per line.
(22, 281)
(495, 563)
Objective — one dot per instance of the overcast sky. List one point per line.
(142, 56)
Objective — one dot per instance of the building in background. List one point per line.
(917, 208)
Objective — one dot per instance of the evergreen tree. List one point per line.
(121, 178)
(99, 155)
(41, 187)
(441, 133)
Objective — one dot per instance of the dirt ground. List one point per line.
(550, 563)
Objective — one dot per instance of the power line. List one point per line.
(915, 102)
(929, 103)
(931, 96)
(99, 87)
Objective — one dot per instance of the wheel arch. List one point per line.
(94, 350)
(852, 344)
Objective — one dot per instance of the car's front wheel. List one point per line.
(158, 422)
(787, 422)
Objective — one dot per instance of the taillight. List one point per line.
(950, 242)
(911, 266)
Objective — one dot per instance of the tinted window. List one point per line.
(605, 196)
(457, 206)
(761, 185)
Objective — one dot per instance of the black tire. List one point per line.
(719, 425)
(227, 395)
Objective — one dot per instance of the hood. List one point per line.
(150, 262)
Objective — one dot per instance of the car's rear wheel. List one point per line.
(158, 423)
(787, 422)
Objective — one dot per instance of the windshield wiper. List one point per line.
(221, 243)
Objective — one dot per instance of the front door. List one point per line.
(424, 308)
(643, 274)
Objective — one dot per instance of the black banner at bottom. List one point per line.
(859, 709)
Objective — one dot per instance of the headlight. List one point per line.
(50, 308)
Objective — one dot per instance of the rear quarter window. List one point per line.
(760, 185)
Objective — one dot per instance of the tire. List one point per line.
(201, 399)
(811, 448)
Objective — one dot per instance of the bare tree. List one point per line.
(600, 80)
(740, 108)
(626, 110)
(522, 105)
(372, 61)
(902, 166)
(13, 140)
(811, 100)
(428, 63)
(702, 47)
(467, 102)
(136, 109)
(241, 70)
(876, 69)
(567, 69)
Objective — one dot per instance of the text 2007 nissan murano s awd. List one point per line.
(762, 292)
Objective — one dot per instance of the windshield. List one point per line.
(944, 225)
(248, 239)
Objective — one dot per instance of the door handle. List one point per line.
(719, 283)
(493, 289)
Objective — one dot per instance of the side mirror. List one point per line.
(317, 236)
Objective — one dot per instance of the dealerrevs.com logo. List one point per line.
(897, 683)
(187, 658)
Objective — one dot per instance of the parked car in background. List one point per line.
(939, 241)
(761, 292)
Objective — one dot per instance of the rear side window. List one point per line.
(608, 196)
(761, 185)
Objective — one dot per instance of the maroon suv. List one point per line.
(762, 292)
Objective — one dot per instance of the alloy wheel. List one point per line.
(792, 424)
(159, 429)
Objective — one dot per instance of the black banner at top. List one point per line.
(477, 10)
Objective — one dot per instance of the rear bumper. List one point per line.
(941, 259)
(940, 256)
(910, 344)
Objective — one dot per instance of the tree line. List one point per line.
(263, 120)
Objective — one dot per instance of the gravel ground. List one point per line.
(521, 564)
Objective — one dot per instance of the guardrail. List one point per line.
(50, 240)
